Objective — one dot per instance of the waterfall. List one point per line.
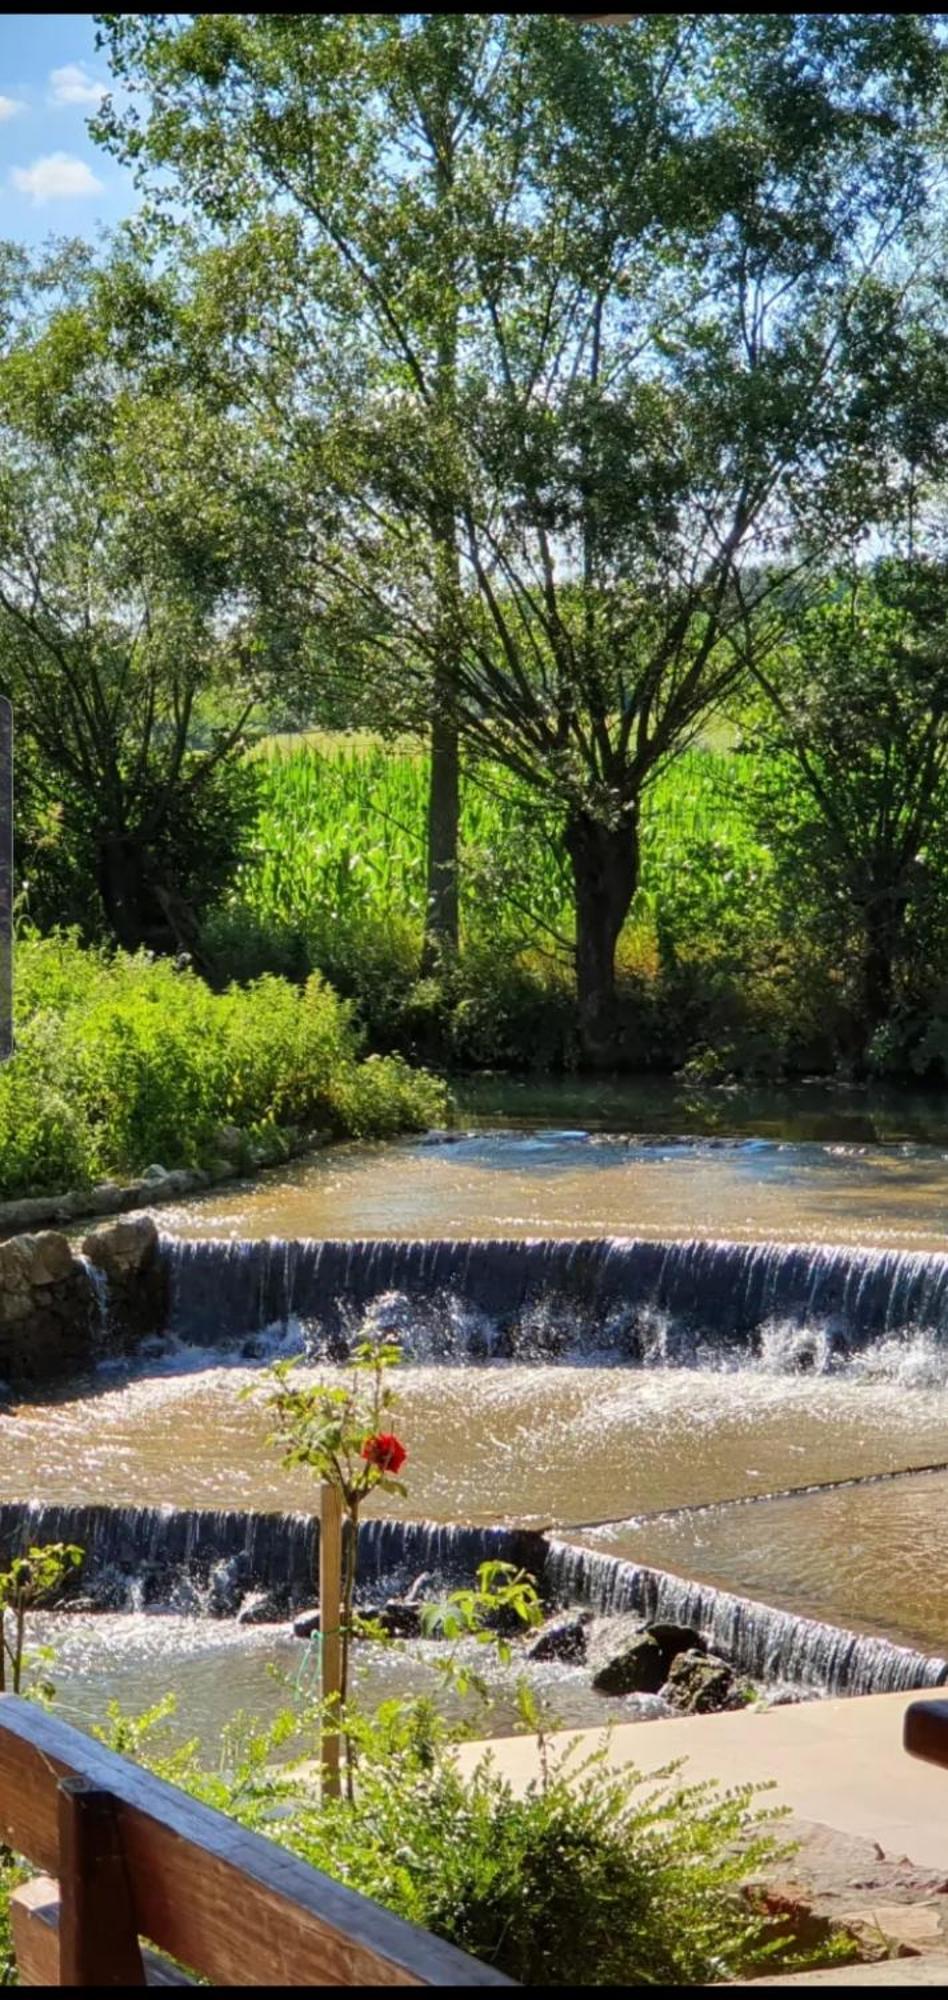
(655, 1303)
(158, 1555)
(205, 1561)
(99, 1289)
(757, 1639)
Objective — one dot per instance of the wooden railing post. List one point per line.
(330, 1633)
(98, 1941)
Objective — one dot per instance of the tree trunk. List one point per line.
(605, 863)
(884, 916)
(444, 816)
(878, 983)
(119, 873)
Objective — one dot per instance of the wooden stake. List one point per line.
(330, 1621)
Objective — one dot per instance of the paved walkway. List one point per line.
(838, 1762)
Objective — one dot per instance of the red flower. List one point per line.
(385, 1451)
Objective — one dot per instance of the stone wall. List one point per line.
(61, 1311)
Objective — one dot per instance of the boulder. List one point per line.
(675, 1639)
(562, 1638)
(123, 1249)
(400, 1618)
(16, 1264)
(105, 1198)
(260, 1608)
(14, 1306)
(701, 1683)
(32, 1208)
(230, 1142)
(154, 1173)
(306, 1623)
(52, 1258)
(624, 1658)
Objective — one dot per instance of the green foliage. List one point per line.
(336, 1429)
(29, 1580)
(572, 358)
(122, 1060)
(591, 1876)
(708, 959)
(12, 1873)
(128, 604)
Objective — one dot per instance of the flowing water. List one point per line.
(634, 1339)
(574, 1183)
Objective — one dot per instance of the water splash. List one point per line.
(757, 1639)
(204, 1562)
(699, 1303)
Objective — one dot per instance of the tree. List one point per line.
(357, 128)
(663, 249)
(124, 531)
(856, 716)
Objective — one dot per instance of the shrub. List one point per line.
(589, 1877)
(122, 1060)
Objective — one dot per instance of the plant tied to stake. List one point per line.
(337, 1431)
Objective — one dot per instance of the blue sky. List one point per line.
(53, 179)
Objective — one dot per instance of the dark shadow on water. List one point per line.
(819, 1111)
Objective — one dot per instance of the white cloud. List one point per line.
(10, 107)
(75, 84)
(55, 176)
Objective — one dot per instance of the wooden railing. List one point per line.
(126, 1856)
(925, 1730)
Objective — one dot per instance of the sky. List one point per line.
(54, 181)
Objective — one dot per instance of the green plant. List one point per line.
(122, 1059)
(588, 1876)
(29, 1580)
(337, 1431)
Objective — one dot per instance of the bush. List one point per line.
(595, 1877)
(122, 1060)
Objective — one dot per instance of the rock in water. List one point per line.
(400, 1618)
(624, 1658)
(675, 1639)
(260, 1608)
(562, 1638)
(700, 1683)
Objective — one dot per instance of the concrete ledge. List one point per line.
(840, 1762)
(893, 1972)
(116, 1198)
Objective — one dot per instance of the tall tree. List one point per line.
(856, 715)
(124, 523)
(358, 128)
(666, 249)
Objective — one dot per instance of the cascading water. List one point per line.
(797, 1306)
(99, 1288)
(757, 1639)
(204, 1562)
(155, 1555)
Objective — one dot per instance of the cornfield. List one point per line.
(340, 845)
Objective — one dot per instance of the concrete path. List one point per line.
(838, 1762)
